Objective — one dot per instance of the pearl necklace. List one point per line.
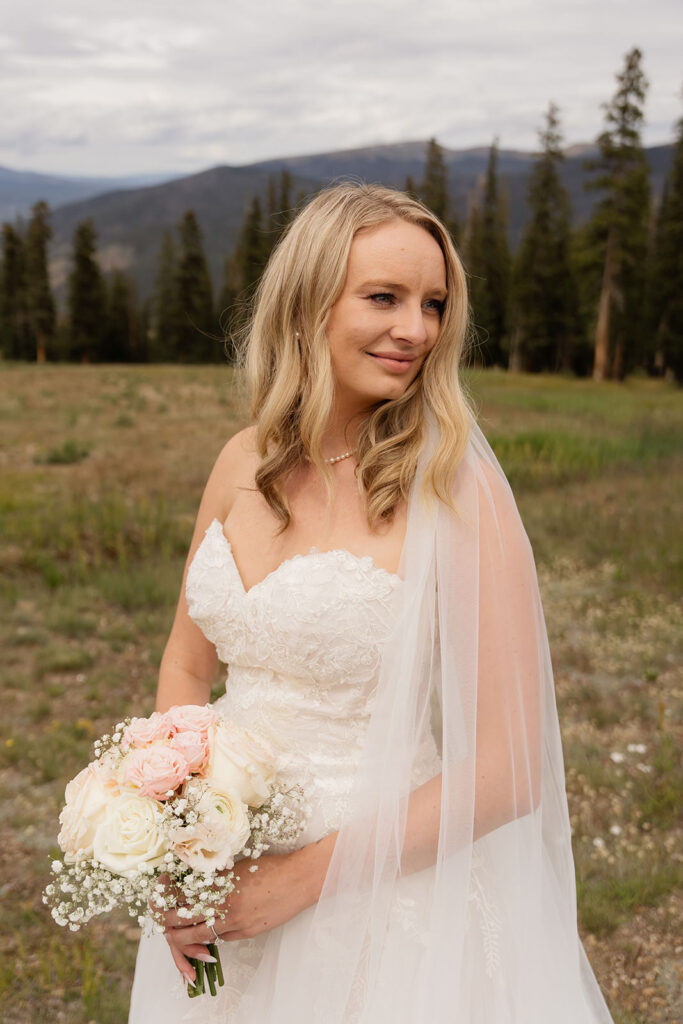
(338, 458)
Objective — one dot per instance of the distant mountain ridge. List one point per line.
(19, 190)
(130, 221)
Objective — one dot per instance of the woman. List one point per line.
(359, 564)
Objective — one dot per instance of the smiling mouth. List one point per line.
(391, 362)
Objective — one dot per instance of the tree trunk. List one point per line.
(41, 354)
(601, 365)
(515, 361)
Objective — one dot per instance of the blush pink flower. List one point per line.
(194, 746)
(155, 770)
(143, 731)
(191, 718)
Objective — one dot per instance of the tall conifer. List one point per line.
(15, 341)
(434, 188)
(195, 339)
(488, 261)
(544, 293)
(165, 316)
(666, 288)
(253, 247)
(120, 343)
(40, 303)
(86, 297)
(619, 226)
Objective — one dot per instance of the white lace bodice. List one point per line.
(303, 648)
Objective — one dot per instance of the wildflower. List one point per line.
(617, 756)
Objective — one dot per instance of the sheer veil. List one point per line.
(476, 863)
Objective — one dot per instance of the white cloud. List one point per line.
(152, 86)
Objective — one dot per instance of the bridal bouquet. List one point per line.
(158, 819)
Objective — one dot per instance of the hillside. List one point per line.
(19, 190)
(130, 222)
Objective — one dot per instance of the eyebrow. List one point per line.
(389, 287)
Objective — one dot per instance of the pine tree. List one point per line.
(279, 213)
(488, 261)
(86, 297)
(253, 249)
(410, 188)
(545, 299)
(165, 321)
(434, 188)
(195, 337)
(666, 283)
(15, 340)
(40, 303)
(229, 303)
(120, 344)
(619, 226)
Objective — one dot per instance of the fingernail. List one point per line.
(188, 976)
(206, 958)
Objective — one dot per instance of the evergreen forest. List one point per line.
(602, 298)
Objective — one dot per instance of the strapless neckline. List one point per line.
(364, 561)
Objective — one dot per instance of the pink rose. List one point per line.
(191, 718)
(143, 731)
(194, 746)
(155, 770)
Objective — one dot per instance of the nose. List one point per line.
(409, 324)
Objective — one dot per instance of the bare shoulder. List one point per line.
(233, 469)
(240, 450)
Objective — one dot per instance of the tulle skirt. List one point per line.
(488, 983)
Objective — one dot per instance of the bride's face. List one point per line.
(388, 317)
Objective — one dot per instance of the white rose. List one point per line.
(240, 763)
(221, 832)
(86, 798)
(129, 835)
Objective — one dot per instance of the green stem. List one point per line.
(213, 950)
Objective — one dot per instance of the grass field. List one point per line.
(101, 472)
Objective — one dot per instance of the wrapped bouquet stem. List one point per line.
(159, 818)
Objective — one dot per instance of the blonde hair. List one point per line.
(284, 351)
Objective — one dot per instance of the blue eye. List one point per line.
(383, 298)
(436, 305)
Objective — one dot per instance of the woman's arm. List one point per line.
(188, 664)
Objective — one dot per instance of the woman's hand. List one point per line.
(282, 886)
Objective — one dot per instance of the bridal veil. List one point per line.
(479, 859)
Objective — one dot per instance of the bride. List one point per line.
(359, 564)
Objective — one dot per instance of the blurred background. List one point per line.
(150, 157)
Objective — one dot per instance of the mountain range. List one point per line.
(130, 215)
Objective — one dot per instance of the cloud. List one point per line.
(134, 87)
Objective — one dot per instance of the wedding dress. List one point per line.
(322, 659)
(303, 648)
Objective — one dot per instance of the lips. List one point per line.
(393, 361)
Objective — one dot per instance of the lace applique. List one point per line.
(488, 914)
(303, 648)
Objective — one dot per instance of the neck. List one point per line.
(341, 434)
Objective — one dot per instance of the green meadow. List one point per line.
(101, 471)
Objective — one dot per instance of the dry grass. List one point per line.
(102, 469)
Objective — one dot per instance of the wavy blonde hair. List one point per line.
(284, 351)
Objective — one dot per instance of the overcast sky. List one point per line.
(144, 86)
